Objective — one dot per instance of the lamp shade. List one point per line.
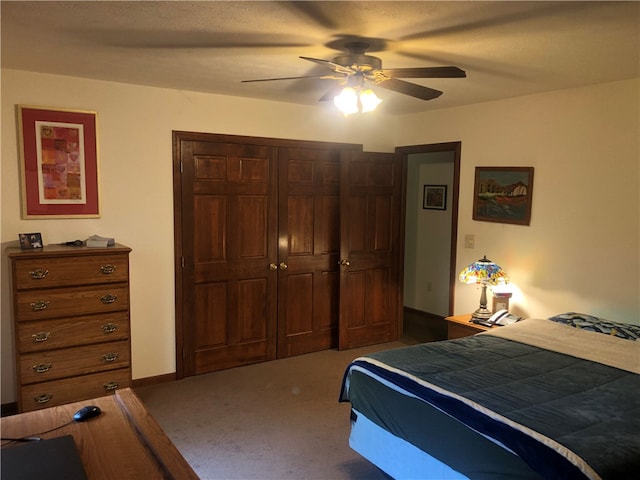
(483, 271)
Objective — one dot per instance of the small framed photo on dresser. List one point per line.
(29, 241)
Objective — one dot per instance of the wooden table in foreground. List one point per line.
(123, 442)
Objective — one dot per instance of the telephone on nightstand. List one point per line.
(501, 317)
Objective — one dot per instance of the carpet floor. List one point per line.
(273, 420)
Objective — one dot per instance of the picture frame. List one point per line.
(503, 194)
(434, 197)
(59, 163)
(29, 241)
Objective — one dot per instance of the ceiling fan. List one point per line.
(355, 67)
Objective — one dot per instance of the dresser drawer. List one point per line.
(43, 335)
(57, 392)
(69, 362)
(57, 272)
(58, 302)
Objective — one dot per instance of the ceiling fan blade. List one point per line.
(314, 12)
(329, 64)
(187, 39)
(411, 89)
(322, 77)
(425, 72)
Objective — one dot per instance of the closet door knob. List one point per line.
(273, 266)
(344, 263)
(283, 266)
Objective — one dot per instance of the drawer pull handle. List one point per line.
(109, 327)
(110, 386)
(41, 336)
(108, 298)
(39, 305)
(43, 398)
(107, 269)
(42, 368)
(110, 357)
(39, 274)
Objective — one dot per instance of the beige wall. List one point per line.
(583, 144)
(581, 251)
(136, 189)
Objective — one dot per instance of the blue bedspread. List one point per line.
(564, 416)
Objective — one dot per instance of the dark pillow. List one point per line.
(600, 325)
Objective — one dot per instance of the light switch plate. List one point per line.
(469, 241)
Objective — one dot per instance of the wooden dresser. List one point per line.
(71, 323)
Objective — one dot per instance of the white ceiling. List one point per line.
(508, 49)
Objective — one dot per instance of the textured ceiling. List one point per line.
(508, 49)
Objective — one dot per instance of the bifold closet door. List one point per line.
(229, 245)
(370, 252)
(309, 244)
(284, 248)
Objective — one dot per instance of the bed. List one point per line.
(555, 398)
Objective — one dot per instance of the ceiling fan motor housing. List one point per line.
(360, 63)
(357, 60)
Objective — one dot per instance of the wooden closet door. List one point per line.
(309, 232)
(229, 239)
(370, 252)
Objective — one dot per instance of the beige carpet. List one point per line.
(273, 420)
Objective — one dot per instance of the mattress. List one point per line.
(524, 396)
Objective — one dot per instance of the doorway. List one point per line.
(431, 230)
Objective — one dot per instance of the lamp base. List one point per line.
(481, 314)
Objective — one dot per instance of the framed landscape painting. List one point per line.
(59, 163)
(503, 194)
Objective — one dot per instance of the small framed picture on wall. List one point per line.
(435, 197)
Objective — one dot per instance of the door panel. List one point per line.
(370, 287)
(229, 238)
(309, 190)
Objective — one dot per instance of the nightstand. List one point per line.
(459, 326)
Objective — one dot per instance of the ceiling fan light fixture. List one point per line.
(347, 101)
(353, 100)
(369, 100)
